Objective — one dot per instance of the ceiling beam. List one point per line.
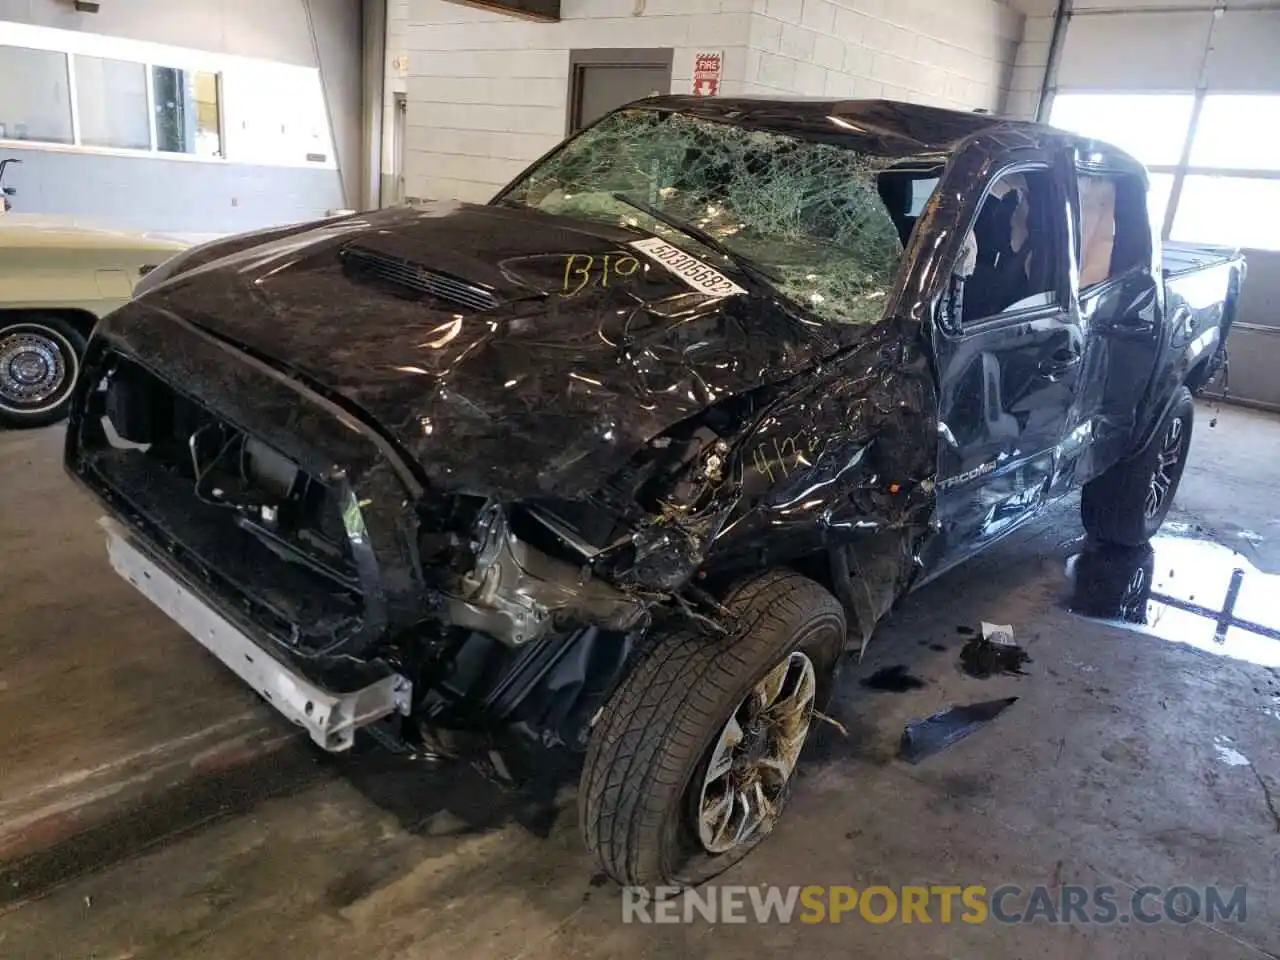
(547, 10)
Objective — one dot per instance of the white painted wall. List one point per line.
(395, 82)
(951, 53)
(274, 30)
(1027, 80)
(488, 93)
(306, 54)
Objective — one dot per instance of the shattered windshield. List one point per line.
(808, 214)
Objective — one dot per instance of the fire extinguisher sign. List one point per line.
(708, 67)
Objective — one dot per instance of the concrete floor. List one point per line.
(1106, 771)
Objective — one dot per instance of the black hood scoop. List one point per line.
(367, 264)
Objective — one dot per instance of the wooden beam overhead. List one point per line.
(548, 10)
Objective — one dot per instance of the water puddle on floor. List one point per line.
(1183, 589)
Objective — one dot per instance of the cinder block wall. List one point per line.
(488, 94)
(952, 53)
(394, 82)
(1028, 71)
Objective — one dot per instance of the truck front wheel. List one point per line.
(1127, 504)
(692, 760)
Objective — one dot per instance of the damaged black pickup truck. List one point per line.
(626, 459)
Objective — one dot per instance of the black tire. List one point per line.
(1113, 582)
(652, 743)
(39, 363)
(1116, 507)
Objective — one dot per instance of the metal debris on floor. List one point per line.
(1001, 633)
(993, 652)
(923, 738)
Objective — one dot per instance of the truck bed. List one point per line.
(1181, 258)
(1201, 291)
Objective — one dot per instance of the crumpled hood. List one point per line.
(565, 351)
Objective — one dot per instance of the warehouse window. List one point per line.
(1226, 196)
(1151, 127)
(113, 101)
(1238, 131)
(35, 102)
(1159, 193)
(1235, 211)
(112, 97)
(106, 93)
(1229, 190)
(188, 116)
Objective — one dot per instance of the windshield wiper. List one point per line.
(743, 263)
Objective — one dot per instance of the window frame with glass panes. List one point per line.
(111, 104)
(1212, 156)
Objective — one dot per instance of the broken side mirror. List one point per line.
(10, 191)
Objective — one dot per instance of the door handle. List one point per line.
(1060, 363)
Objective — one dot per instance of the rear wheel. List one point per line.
(692, 761)
(39, 364)
(1128, 503)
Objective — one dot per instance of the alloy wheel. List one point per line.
(755, 755)
(1166, 471)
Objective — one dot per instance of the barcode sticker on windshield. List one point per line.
(691, 270)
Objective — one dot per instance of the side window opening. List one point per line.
(905, 190)
(1011, 260)
(1114, 232)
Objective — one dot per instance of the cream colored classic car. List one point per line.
(57, 278)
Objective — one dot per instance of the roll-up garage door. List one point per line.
(1134, 51)
(1192, 89)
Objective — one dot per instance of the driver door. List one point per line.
(1009, 358)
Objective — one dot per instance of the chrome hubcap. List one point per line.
(755, 756)
(1166, 469)
(33, 367)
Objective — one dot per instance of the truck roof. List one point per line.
(885, 128)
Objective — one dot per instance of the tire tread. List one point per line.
(655, 726)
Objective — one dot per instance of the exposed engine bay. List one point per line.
(512, 570)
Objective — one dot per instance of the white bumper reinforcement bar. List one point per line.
(330, 718)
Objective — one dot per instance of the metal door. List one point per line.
(603, 80)
(1009, 372)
